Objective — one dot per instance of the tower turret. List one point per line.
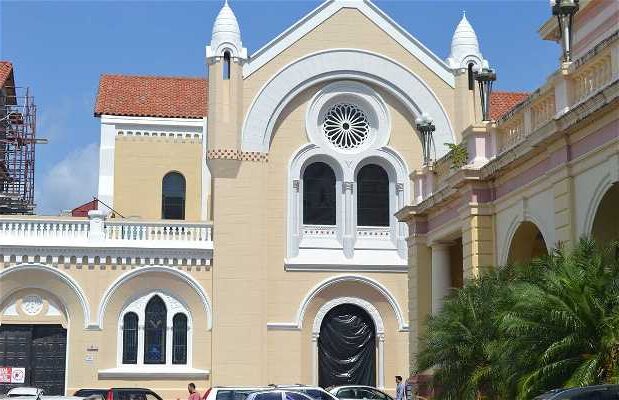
(465, 47)
(225, 57)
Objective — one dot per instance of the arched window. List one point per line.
(130, 338)
(155, 331)
(372, 196)
(226, 66)
(319, 204)
(173, 196)
(471, 76)
(179, 339)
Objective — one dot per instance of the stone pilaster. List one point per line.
(478, 247)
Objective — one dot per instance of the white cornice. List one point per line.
(367, 8)
(119, 119)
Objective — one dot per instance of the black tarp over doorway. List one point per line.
(347, 348)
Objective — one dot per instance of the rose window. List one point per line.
(346, 126)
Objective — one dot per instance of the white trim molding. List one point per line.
(340, 64)
(185, 277)
(65, 278)
(346, 246)
(379, 327)
(297, 324)
(371, 11)
(154, 372)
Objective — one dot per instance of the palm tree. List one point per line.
(521, 330)
(563, 329)
(459, 339)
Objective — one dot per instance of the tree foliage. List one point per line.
(522, 330)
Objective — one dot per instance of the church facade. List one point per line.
(247, 232)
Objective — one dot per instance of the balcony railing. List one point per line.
(99, 232)
(566, 89)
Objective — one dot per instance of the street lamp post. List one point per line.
(425, 125)
(485, 78)
(564, 10)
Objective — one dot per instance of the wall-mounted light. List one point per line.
(425, 125)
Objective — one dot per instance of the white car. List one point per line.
(356, 392)
(315, 392)
(231, 392)
(278, 395)
(36, 393)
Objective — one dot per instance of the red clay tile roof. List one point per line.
(502, 102)
(6, 69)
(152, 96)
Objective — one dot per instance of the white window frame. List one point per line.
(138, 306)
(347, 246)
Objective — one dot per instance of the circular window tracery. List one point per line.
(346, 126)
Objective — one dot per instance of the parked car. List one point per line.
(597, 392)
(119, 394)
(278, 395)
(357, 392)
(315, 392)
(230, 393)
(25, 392)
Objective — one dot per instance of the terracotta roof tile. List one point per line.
(6, 68)
(502, 102)
(152, 96)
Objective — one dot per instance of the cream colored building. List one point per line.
(542, 174)
(255, 210)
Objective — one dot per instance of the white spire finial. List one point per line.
(226, 35)
(464, 46)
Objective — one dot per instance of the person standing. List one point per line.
(399, 389)
(193, 394)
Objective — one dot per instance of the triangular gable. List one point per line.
(371, 11)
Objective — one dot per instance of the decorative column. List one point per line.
(296, 219)
(349, 236)
(169, 339)
(140, 360)
(381, 361)
(315, 358)
(400, 227)
(441, 279)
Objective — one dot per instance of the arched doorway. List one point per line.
(527, 243)
(347, 347)
(605, 224)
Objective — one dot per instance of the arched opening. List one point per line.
(130, 338)
(173, 196)
(179, 339)
(155, 319)
(319, 201)
(471, 76)
(527, 243)
(347, 347)
(226, 66)
(372, 196)
(606, 222)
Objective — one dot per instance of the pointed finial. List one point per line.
(225, 3)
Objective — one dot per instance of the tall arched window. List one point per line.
(226, 66)
(372, 196)
(155, 331)
(173, 196)
(130, 338)
(319, 203)
(179, 339)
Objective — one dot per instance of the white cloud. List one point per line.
(69, 183)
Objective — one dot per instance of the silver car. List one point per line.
(357, 392)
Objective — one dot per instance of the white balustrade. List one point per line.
(81, 232)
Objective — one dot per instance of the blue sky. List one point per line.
(59, 49)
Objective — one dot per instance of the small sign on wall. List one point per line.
(12, 375)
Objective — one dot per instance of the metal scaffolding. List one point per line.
(17, 144)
